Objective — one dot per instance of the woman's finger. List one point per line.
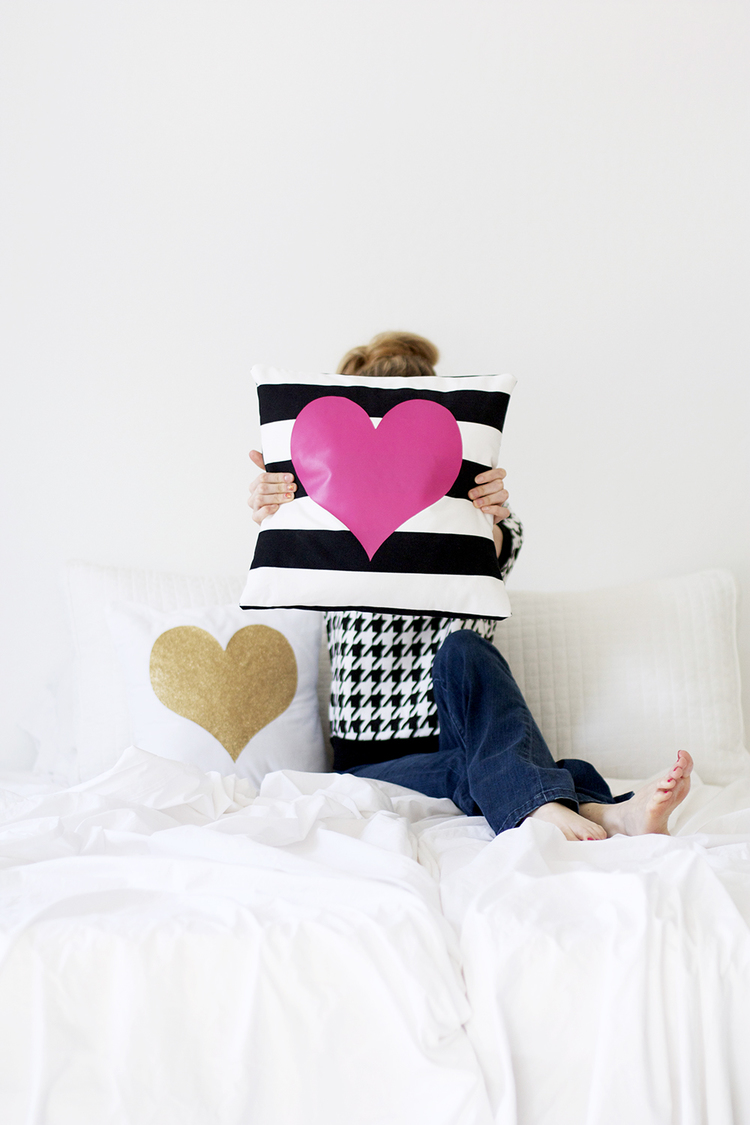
(490, 475)
(259, 502)
(489, 486)
(273, 484)
(268, 510)
(486, 498)
(498, 512)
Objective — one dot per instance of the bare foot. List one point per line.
(649, 809)
(571, 824)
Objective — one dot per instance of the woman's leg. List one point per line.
(492, 758)
(509, 768)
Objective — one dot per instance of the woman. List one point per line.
(429, 702)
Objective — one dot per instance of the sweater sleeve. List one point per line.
(512, 541)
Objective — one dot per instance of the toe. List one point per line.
(686, 762)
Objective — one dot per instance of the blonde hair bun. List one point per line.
(391, 353)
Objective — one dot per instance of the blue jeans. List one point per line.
(492, 759)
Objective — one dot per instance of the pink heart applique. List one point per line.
(371, 478)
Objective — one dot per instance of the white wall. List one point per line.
(556, 188)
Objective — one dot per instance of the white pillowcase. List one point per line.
(101, 719)
(625, 677)
(221, 688)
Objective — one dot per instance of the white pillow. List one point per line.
(101, 720)
(622, 677)
(223, 689)
(626, 677)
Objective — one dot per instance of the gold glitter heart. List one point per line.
(232, 693)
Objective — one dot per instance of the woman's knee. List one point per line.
(466, 657)
(464, 647)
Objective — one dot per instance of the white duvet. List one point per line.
(177, 949)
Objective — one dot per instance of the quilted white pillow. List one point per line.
(626, 677)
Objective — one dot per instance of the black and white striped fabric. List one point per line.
(439, 560)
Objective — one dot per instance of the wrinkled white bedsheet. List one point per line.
(177, 949)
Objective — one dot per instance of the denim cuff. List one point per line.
(596, 798)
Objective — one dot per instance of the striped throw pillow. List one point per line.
(381, 518)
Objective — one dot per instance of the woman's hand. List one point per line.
(491, 495)
(269, 490)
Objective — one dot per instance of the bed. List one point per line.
(182, 945)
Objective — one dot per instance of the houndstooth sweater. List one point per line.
(381, 684)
